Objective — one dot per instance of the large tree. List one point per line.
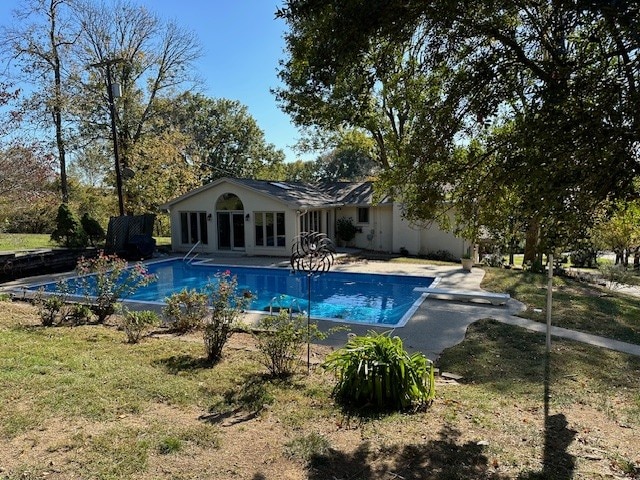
(37, 46)
(223, 139)
(548, 89)
(150, 59)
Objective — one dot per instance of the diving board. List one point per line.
(494, 298)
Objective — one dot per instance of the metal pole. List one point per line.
(549, 301)
(309, 324)
(112, 111)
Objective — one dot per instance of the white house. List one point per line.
(261, 217)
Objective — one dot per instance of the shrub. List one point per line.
(615, 276)
(282, 340)
(49, 308)
(186, 310)
(493, 260)
(375, 370)
(345, 229)
(67, 231)
(80, 313)
(227, 305)
(136, 324)
(441, 255)
(92, 229)
(111, 280)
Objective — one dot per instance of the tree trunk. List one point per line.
(531, 242)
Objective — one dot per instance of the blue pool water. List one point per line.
(372, 299)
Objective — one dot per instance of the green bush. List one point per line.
(345, 229)
(136, 324)
(92, 229)
(49, 308)
(114, 280)
(281, 340)
(68, 231)
(227, 305)
(375, 370)
(186, 310)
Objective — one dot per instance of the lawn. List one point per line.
(29, 241)
(78, 402)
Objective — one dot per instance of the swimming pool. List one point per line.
(359, 298)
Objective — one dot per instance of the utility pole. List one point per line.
(106, 64)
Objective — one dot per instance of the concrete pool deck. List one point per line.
(435, 326)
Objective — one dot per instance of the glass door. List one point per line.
(231, 231)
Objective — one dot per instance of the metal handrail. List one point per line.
(184, 259)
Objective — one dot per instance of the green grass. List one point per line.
(23, 241)
(28, 241)
(576, 305)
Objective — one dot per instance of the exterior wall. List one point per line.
(377, 233)
(404, 235)
(252, 202)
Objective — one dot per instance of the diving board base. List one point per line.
(468, 295)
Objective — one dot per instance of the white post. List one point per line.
(549, 301)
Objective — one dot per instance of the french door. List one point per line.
(230, 231)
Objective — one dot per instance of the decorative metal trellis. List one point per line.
(311, 253)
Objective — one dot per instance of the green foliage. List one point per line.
(186, 310)
(112, 279)
(136, 324)
(68, 231)
(227, 305)
(307, 447)
(50, 308)
(345, 229)
(615, 276)
(375, 371)
(92, 229)
(281, 340)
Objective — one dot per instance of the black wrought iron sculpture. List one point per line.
(311, 253)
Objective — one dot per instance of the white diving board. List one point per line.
(494, 298)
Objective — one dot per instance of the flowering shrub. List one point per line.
(113, 281)
(227, 304)
(186, 309)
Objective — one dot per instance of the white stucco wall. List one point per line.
(252, 202)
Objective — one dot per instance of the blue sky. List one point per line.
(242, 43)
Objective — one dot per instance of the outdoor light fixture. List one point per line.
(209, 217)
(247, 217)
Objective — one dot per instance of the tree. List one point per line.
(25, 171)
(39, 42)
(149, 58)
(549, 89)
(621, 231)
(223, 138)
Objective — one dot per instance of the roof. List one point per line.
(298, 194)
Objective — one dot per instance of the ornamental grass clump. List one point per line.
(227, 305)
(111, 279)
(137, 323)
(376, 371)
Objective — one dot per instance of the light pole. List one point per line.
(112, 111)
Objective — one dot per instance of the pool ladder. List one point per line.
(186, 257)
(275, 301)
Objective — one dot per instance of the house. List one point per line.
(259, 217)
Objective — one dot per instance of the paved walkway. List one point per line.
(437, 324)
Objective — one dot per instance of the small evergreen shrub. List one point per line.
(227, 305)
(375, 370)
(186, 310)
(136, 324)
(68, 231)
(345, 229)
(281, 340)
(92, 229)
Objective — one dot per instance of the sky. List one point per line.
(242, 43)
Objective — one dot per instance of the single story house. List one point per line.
(260, 217)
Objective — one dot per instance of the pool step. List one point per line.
(470, 295)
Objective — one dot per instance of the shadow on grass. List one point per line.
(443, 458)
(183, 363)
(242, 403)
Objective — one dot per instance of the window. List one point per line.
(193, 228)
(310, 222)
(269, 228)
(363, 215)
